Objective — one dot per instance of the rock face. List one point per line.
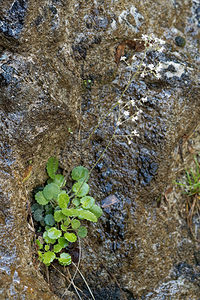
(58, 75)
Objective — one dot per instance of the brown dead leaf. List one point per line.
(119, 52)
(137, 46)
(27, 173)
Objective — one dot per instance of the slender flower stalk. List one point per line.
(129, 111)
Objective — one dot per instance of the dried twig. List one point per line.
(79, 260)
(72, 282)
(66, 279)
(47, 274)
(84, 281)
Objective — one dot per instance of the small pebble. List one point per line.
(180, 41)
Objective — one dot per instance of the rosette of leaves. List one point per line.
(60, 213)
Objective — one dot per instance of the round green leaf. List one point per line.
(87, 215)
(62, 242)
(52, 166)
(47, 239)
(54, 233)
(63, 227)
(51, 191)
(80, 174)
(59, 180)
(50, 180)
(40, 255)
(48, 257)
(48, 209)
(75, 224)
(82, 231)
(96, 210)
(42, 223)
(40, 198)
(57, 248)
(65, 259)
(87, 202)
(58, 216)
(71, 212)
(46, 247)
(80, 189)
(67, 222)
(40, 245)
(38, 215)
(71, 237)
(76, 201)
(63, 199)
(49, 220)
(36, 206)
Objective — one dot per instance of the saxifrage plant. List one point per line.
(60, 213)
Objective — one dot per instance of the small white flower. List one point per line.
(129, 142)
(161, 49)
(135, 133)
(159, 67)
(120, 101)
(151, 66)
(145, 37)
(158, 75)
(142, 74)
(161, 42)
(132, 102)
(133, 57)
(144, 99)
(126, 113)
(139, 112)
(134, 118)
(118, 123)
(123, 58)
(156, 40)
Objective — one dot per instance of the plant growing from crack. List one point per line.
(192, 184)
(191, 187)
(60, 213)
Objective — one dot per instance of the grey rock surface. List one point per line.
(58, 75)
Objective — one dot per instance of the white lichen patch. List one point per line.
(113, 25)
(171, 288)
(178, 69)
(123, 16)
(137, 16)
(132, 12)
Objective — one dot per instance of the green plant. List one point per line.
(192, 190)
(59, 213)
(87, 83)
(192, 184)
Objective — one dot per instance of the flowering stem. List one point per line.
(102, 154)
(118, 102)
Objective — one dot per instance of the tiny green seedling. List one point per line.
(70, 131)
(87, 83)
(59, 213)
